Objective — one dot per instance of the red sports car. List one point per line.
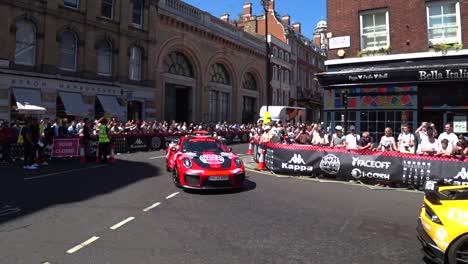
(204, 162)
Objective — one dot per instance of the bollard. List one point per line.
(250, 151)
(261, 160)
(82, 154)
(112, 158)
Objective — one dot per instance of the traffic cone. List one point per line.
(250, 151)
(261, 160)
(97, 154)
(82, 154)
(112, 158)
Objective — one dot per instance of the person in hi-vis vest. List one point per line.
(104, 140)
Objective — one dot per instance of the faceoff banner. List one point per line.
(365, 166)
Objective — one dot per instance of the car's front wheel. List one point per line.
(458, 251)
(175, 177)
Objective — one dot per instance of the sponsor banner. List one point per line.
(137, 143)
(65, 147)
(411, 170)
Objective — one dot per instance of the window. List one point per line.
(25, 50)
(374, 30)
(68, 51)
(275, 73)
(275, 52)
(177, 63)
(107, 8)
(443, 20)
(281, 54)
(219, 74)
(219, 106)
(249, 82)
(72, 3)
(135, 64)
(286, 57)
(104, 58)
(312, 60)
(287, 80)
(137, 13)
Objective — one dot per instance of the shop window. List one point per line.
(374, 30)
(72, 3)
(68, 51)
(135, 64)
(25, 50)
(443, 20)
(107, 8)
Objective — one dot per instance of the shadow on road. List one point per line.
(248, 186)
(73, 186)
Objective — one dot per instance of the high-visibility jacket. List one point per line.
(20, 136)
(103, 138)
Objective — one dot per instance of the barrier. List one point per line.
(366, 166)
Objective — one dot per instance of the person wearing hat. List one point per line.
(352, 139)
(320, 139)
(338, 140)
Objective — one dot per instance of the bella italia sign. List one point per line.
(448, 74)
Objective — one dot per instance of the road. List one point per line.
(131, 213)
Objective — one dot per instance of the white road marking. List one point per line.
(158, 157)
(114, 227)
(82, 245)
(58, 173)
(172, 195)
(151, 207)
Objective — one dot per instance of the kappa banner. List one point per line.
(367, 166)
(65, 147)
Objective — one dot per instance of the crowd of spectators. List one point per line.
(425, 140)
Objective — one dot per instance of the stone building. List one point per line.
(135, 59)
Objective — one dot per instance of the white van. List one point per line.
(284, 113)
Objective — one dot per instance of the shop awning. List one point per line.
(74, 104)
(111, 105)
(28, 101)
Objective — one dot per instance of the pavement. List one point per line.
(132, 213)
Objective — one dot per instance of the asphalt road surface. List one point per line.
(131, 213)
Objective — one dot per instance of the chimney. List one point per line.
(272, 5)
(297, 27)
(247, 11)
(286, 19)
(317, 39)
(225, 17)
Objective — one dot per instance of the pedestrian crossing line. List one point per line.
(82, 245)
(172, 195)
(114, 227)
(151, 207)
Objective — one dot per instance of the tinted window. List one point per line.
(197, 145)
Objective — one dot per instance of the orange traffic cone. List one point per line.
(112, 158)
(82, 154)
(97, 154)
(250, 151)
(261, 160)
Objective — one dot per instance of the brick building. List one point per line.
(294, 60)
(137, 59)
(397, 61)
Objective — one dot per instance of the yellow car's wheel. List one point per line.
(458, 252)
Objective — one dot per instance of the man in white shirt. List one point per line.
(428, 146)
(352, 139)
(449, 135)
(406, 140)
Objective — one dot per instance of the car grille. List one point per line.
(192, 179)
(217, 183)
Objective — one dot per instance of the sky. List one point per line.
(307, 12)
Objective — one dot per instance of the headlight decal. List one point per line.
(187, 163)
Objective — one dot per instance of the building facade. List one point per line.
(294, 61)
(396, 68)
(135, 59)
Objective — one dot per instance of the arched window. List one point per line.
(286, 57)
(68, 50)
(178, 64)
(281, 54)
(104, 58)
(135, 64)
(219, 74)
(287, 80)
(275, 52)
(25, 50)
(249, 82)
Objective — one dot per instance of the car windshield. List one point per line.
(203, 145)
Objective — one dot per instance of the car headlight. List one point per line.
(431, 215)
(238, 162)
(187, 163)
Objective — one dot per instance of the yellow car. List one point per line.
(443, 223)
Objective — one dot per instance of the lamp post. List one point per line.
(266, 5)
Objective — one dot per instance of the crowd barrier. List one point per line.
(365, 166)
(123, 143)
